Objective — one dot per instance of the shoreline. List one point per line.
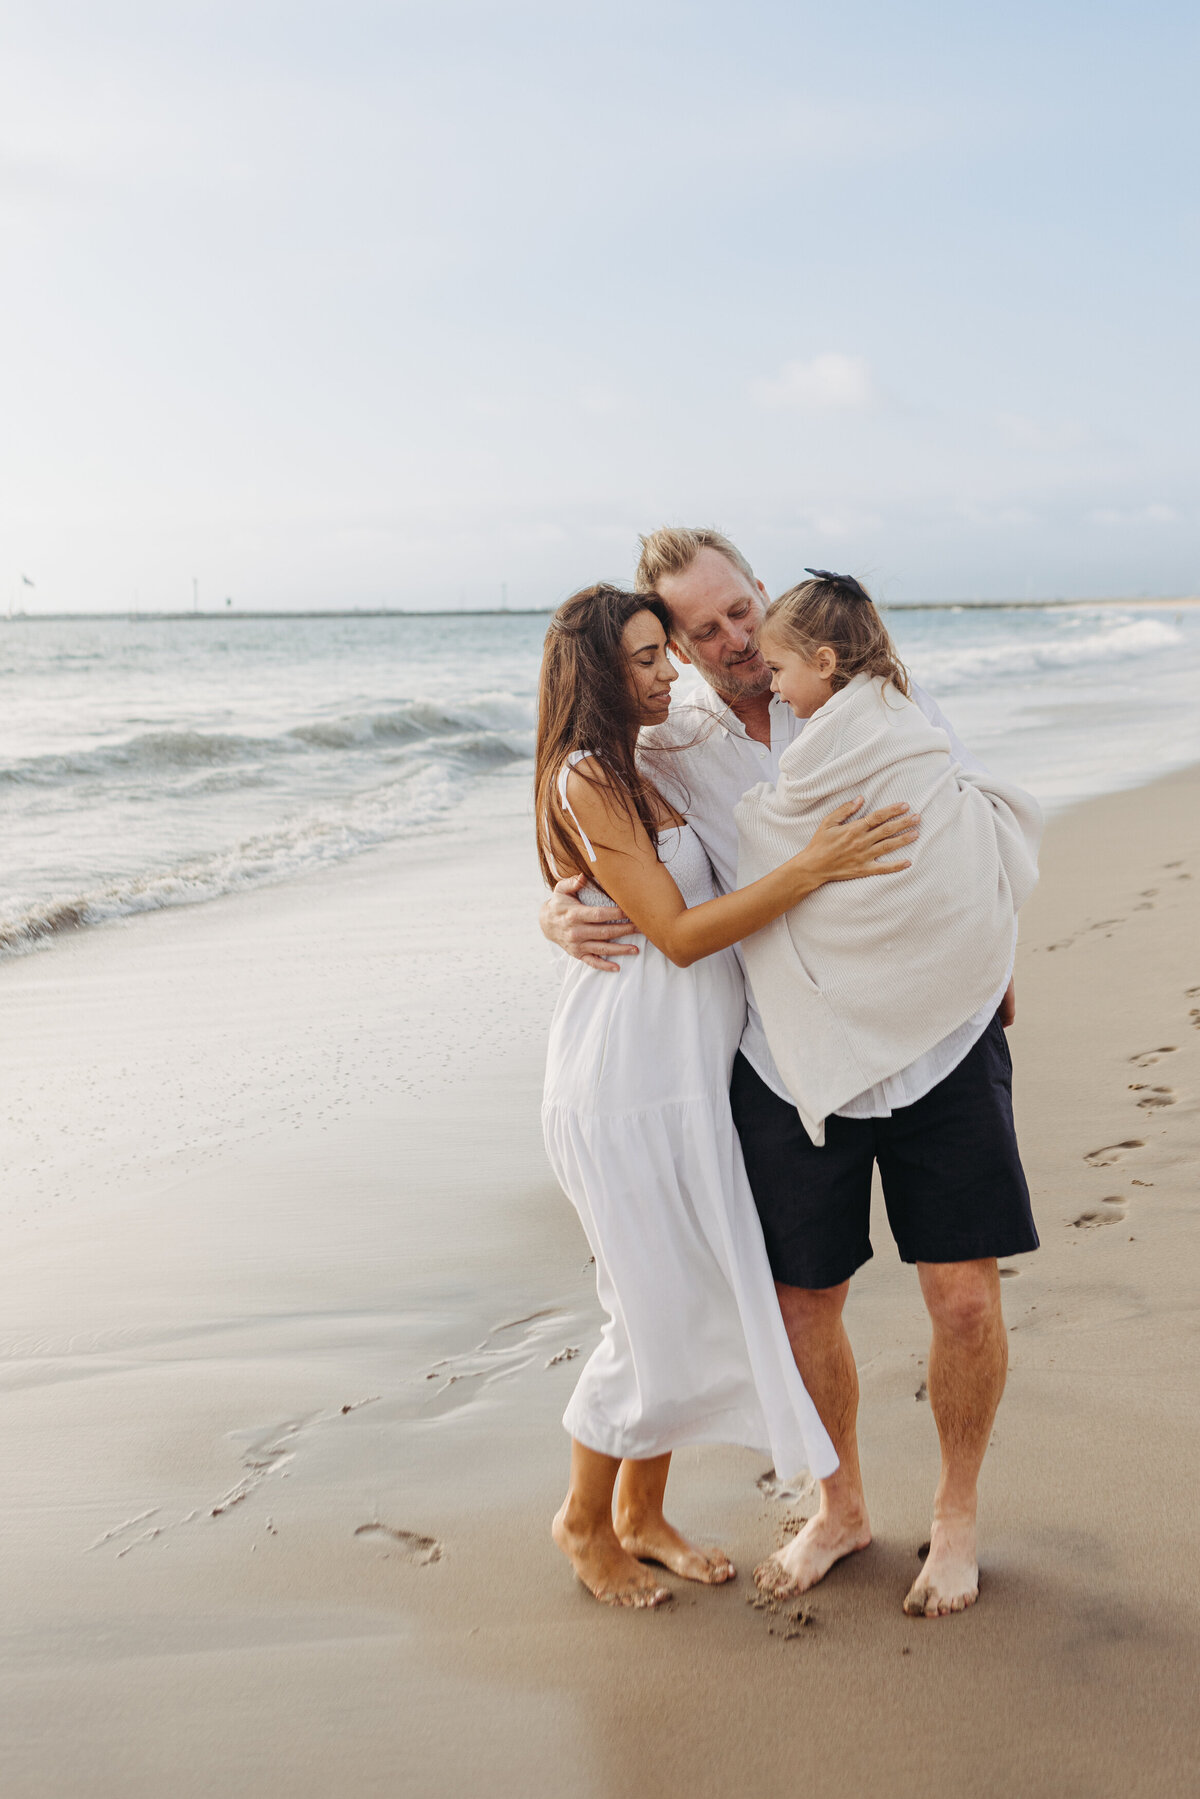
(504, 796)
(291, 1302)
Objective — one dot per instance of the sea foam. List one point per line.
(150, 764)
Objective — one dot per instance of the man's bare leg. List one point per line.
(643, 1531)
(968, 1361)
(583, 1530)
(813, 1317)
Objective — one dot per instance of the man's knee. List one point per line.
(811, 1310)
(962, 1298)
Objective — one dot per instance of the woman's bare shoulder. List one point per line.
(585, 774)
(591, 789)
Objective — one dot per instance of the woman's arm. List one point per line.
(630, 872)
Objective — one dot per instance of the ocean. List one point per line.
(151, 763)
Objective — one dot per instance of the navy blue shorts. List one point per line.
(952, 1176)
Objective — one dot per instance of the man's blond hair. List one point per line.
(672, 549)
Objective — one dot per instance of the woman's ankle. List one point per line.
(635, 1519)
(582, 1522)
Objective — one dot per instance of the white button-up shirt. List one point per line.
(713, 762)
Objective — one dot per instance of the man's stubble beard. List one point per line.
(726, 684)
(730, 689)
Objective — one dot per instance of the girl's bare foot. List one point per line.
(608, 1571)
(654, 1540)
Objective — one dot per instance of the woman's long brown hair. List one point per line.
(585, 703)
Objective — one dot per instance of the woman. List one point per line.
(636, 1110)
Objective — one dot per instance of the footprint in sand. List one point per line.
(415, 1548)
(1153, 1097)
(507, 1350)
(1008, 1274)
(1148, 1057)
(1114, 1211)
(1113, 1152)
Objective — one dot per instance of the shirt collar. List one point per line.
(706, 699)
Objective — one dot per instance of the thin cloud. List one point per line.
(601, 402)
(830, 382)
(1156, 513)
(1025, 433)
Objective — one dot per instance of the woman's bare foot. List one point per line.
(812, 1552)
(654, 1540)
(608, 1571)
(949, 1580)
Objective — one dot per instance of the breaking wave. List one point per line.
(145, 766)
(491, 728)
(313, 839)
(947, 667)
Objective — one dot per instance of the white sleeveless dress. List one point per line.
(639, 1133)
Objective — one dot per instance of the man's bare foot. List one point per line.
(810, 1555)
(949, 1580)
(609, 1572)
(654, 1540)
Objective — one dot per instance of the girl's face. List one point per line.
(804, 682)
(650, 672)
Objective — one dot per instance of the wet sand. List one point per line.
(290, 1309)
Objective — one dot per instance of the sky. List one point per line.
(437, 302)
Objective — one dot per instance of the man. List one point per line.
(815, 1203)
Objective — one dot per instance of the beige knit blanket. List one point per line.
(865, 976)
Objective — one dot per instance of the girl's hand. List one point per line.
(845, 848)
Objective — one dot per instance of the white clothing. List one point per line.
(712, 762)
(639, 1133)
(869, 974)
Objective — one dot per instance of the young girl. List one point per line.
(852, 993)
(636, 1111)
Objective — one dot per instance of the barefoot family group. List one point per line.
(789, 905)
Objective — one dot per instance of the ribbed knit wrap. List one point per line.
(865, 976)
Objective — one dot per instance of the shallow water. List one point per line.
(148, 763)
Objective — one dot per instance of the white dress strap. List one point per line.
(564, 771)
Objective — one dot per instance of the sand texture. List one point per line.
(291, 1307)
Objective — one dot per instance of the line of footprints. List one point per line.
(1152, 1098)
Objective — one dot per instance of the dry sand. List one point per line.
(290, 1304)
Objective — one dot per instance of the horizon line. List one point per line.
(158, 617)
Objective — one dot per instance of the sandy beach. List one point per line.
(290, 1306)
